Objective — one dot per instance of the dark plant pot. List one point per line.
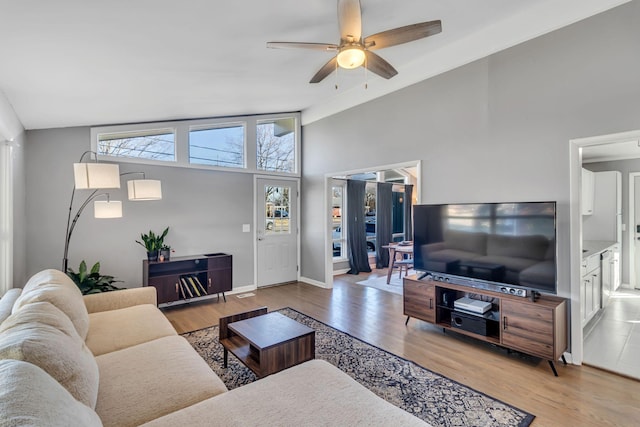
(164, 254)
(152, 255)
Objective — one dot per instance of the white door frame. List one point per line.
(632, 231)
(328, 200)
(575, 226)
(255, 222)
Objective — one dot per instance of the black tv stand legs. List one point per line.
(553, 366)
(406, 322)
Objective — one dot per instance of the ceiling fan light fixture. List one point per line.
(351, 57)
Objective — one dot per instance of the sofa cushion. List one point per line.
(117, 329)
(311, 394)
(146, 381)
(30, 397)
(41, 334)
(57, 288)
(7, 301)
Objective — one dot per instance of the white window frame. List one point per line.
(182, 128)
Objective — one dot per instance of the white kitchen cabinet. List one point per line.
(588, 192)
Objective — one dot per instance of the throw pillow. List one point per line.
(30, 397)
(57, 288)
(41, 334)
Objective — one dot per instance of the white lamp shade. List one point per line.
(144, 189)
(96, 175)
(107, 209)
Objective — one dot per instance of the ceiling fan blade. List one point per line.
(350, 20)
(401, 35)
(294, 45)
(376, 64)
(326, 69)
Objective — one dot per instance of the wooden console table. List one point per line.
(189, 278)
(265, 342)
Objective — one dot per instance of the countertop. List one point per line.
(591, 247)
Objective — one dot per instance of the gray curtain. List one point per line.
(356, 229)
(384, 232)
(408, 211)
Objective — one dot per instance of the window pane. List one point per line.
(276, 145)
(397, 216)
(337, 230)
(370, 215)
(220, 146)
(277, 209)
(151, 144)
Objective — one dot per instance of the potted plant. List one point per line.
(92, 282)
(152, 243)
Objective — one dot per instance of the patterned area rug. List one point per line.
(429, 396)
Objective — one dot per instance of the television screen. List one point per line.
(489, 243)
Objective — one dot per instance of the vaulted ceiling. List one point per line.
(78, 62)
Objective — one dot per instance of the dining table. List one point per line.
(395, 249)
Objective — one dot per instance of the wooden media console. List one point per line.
(537, 328)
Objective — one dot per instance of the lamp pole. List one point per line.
(72, 224)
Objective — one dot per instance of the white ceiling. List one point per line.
(82, 62)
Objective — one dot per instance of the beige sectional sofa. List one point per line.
(113, 359)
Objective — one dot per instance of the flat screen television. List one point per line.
(498, 246)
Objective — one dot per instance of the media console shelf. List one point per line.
(189, 278)
(536, 328)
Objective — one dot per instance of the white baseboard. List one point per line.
(341, 271)
(314, 282)
(242, 289)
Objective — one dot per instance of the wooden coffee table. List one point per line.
(268, 343)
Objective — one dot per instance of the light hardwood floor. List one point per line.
(580, 396)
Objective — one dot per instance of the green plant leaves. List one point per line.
(92, 282)
(152, 241)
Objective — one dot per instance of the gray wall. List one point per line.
(205, 210)
(497, 129)
(625, 167)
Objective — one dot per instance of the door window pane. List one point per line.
(277, 208)
(219, 146)
(158, 144)
(275, 144)
(339, 240)
(370, 215)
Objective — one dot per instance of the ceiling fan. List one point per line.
(355, 50)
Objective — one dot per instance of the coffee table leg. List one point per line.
(226, 357)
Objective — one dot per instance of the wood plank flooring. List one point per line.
(580, 396)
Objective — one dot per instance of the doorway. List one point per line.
(634, 230)
(336, 261)
(607, 340)
(276, 231)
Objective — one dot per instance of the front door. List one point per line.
(276, 231)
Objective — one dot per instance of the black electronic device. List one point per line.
(478, 324)
(504, 247)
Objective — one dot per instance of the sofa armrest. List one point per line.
(120, 299)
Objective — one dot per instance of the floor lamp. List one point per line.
(102, 176)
